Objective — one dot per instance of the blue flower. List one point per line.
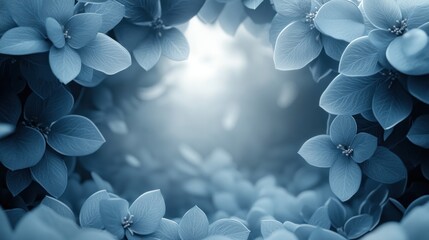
(149, 30)
(73, 41)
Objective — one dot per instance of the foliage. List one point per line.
(56, 59)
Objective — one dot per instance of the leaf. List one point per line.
(419, 132)
(82, 29)
(349, 95)
(148, 210)
(358, 225)
(336, 212)
(65, 63)
(345, 178)
(194, 225)
(23, 41)
(147, 54)
(230, 228)
(113, 212)
(59, 207)
(18, 180)
(296, 46)
(51, 174)
(22, 149)
(360, 58)
(89, 216)
(268, 227)
(167, 230)
(341, 20)
(419, 88)
(75, 135)
(252, 4)
(364, 146)
(319, 151)
(105, 55)
(46, 111)
(174, 45)
(382, 13)
(175, 12)
(343, 130)
(111, 12)
(391, 104)
(384, 167)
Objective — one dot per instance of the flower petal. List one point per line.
(112, 212)
(148, 210)
(319, 151)
(82, 28)
(65, 63)
(55, 32)
(23, 41)
(194, 225)
(174, 45)
(364, 146)
(345, 178)
(343, 129)
(293, 8)
(105, 55)
(382, 13)
(147, 54)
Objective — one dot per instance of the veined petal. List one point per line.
(343, 129)
(415, 11)
(364, 146)
(293, 8)
(147, 54)
(296, 46)
(174, 45)
(105, 55)
(345, 178)
(23, 41)
(25, 13)
(65, 63)
(60, 10)
(82, 29)
(55, 32)
(380, 38)
(113, 213)
(382, 13)
(319, 151)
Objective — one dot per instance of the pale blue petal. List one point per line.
(82, 28)
(59, 207)
(112, 212)
(148, 53)
(345, 178)
(65, 63)
(293, 8)
(175, 12)
(194, 225)
(89, 216)
(167, 230)
(23, 41)
(343, 129)
(268, 227)
(278, 23)
(174, 45)
(319, 151)
(419, 132)
(17, 181)
(382, 13)
(55, 32)
(111, 12)
(230, 228)
(364, 146)
(210, 11)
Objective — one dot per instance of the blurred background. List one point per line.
(176, 124)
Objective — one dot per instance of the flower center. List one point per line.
(309, 18)
(66, 34)
(345, 150)
(157, 25)
(34, 123)
(400, 27)
(127, 221)
(391, 77)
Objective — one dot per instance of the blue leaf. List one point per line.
(360, 58)
(111, 12)
(75, 135)
(419, 88)
(230, 228)
(113, 212)
(22, 149)
(364, 146)
(343, 130)
(168, 230)
(319, 151)
(320, 218)
(89, 216)
(210, 11)
(293, 8)
(296, 46)
(105, 55)
(55, 32)
(18, 180)
(268, 227)
(409, 52)
(194, 225)
(384, 166)
(341, 20)
(148, 210)
(65, 63)
(147, 54)
(345, 178)
(175, 12)
(419, 132)
(383, 13)
(82, 28)
(349, 95)
(252, 4)
(59, 104)
(391, 104)
(51, 174)
(336, 212)
(10, 108)
(174, 45)
(59, 207)
(23, 41)
(358, 225)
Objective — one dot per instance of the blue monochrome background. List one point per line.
(102, 136)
